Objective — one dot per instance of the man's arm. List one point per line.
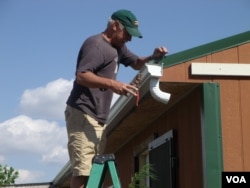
(158, 53)
(138, 64)
(91, 80)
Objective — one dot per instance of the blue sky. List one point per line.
(39, 42)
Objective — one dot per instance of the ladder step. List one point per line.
(102, 163)
(101, 159)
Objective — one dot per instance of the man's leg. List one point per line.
(79, 181)
(86, 139)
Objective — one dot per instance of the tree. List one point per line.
(8, 175)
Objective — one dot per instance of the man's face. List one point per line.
(121, 36)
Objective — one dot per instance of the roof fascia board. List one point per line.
(220, 69)
(206, 49)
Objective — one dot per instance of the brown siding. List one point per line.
(189, 152)
(235, 103)
(244, 57)
(245, 115)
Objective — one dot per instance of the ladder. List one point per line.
(99, 168)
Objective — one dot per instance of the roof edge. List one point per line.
(206, 49)
(62, 175)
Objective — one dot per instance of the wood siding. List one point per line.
(189, 152)
(235, 103)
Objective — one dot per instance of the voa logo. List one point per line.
(236, 179)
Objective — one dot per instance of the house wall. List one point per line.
(188, 145)
(235, 102)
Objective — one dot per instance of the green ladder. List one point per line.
(99, 168)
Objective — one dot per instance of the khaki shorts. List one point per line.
(86, 138)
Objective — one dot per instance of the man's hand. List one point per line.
(91, 80)
(123, 89)
(159, 52)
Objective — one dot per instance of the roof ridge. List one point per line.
(206, 49)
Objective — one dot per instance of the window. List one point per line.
(162, 158)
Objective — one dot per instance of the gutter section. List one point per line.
(155, 70)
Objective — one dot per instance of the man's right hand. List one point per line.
(123, 89)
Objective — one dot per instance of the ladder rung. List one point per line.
(97, 174)
(103, 158)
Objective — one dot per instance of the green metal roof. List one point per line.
(206, 49)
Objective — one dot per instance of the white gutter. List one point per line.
(155, 70)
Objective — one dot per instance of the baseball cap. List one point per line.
(129, 21)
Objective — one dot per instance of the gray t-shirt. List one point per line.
(100, 57)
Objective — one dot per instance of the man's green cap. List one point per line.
(129, 21)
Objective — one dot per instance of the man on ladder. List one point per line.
(89, 102)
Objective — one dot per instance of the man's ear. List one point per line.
(115, 26)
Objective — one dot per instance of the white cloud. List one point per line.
(30, 143)
(25, 135)
(33, 140)
(48, 101)
(26, 176)
(59, 155)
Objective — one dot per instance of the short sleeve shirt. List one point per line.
(100, 57)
